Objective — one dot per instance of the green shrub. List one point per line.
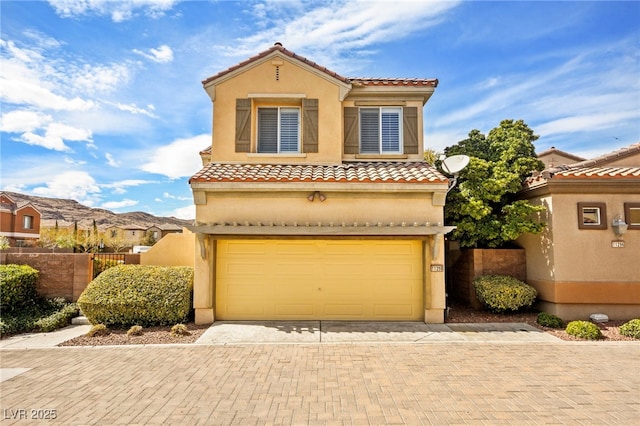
(58, 319)
(145, 295)
(502, 293)
(549, 320)
(17, 287)
(135, 330)
(98, 330)
(631, 329)
(101, 265)
(584, 330)
(180, 330)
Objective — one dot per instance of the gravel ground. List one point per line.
(150, 336)
(457, 314)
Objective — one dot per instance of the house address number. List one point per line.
(437, 268)
(617, 244)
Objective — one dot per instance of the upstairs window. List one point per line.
(27, 222)
(278, 130)
(380, 130)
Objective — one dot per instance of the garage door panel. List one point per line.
(294, 310)
(316, 279)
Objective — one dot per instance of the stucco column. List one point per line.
(203, 279)
(435, 290)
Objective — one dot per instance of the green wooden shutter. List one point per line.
(243, 125)
(351, 134)
(410, 130)
(310, 126)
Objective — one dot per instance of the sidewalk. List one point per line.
(260, 332)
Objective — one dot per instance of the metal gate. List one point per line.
(103, 261)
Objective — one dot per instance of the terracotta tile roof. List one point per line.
(599, 172)
(276, 48)
(207, 150)
(415, 172)
(364, 81)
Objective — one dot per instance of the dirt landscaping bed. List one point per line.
(464, 314)
(149, 336)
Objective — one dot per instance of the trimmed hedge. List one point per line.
(502, 293)
(584, 330)
(58, 319)
(17, 287)
(549, 320)
(145, 295)
(631, 328)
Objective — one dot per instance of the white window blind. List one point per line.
(278, 130)
(380, 130)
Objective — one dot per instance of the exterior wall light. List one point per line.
(315, 194)
(619, 226)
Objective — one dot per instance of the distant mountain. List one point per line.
(69, 211)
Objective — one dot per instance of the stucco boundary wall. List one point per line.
(63, 275)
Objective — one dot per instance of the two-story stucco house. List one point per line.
(19, 221)
(314, 202)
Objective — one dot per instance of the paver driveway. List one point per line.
(381, 383)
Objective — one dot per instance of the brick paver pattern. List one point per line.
(349, 384)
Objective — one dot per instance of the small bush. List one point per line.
(17, 287)
(549, 320)
(98, 330)
(58, 319)
(631, 329)
(180, 330)
(502, 293)
(135, 330)
(584, 330)
(144, 295)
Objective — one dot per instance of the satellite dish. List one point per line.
(454, 164)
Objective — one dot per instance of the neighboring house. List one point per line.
(554, 157)
(314, 202)
(159, 231)
(19, 221)
(131, 234)
(582, 264)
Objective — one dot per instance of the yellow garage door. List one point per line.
(311, 279)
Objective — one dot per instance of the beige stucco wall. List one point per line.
(259, 81)
(274, 206)
(171, 250)
(565, 253)
(576, 271)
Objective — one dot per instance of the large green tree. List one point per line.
(484, 205)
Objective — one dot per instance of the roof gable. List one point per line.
(273, 52)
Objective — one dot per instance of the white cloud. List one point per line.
(179, 158)
(93, 79)
(133, 109)
(584, 123)
(20, 121)
(161, 55)
(111, 161)
(119, 186)
(188, 212)
(331, 32)
(119, 204)
(76, 185)
(121, 10)
(55, 135)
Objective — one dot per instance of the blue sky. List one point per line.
(102, 101)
